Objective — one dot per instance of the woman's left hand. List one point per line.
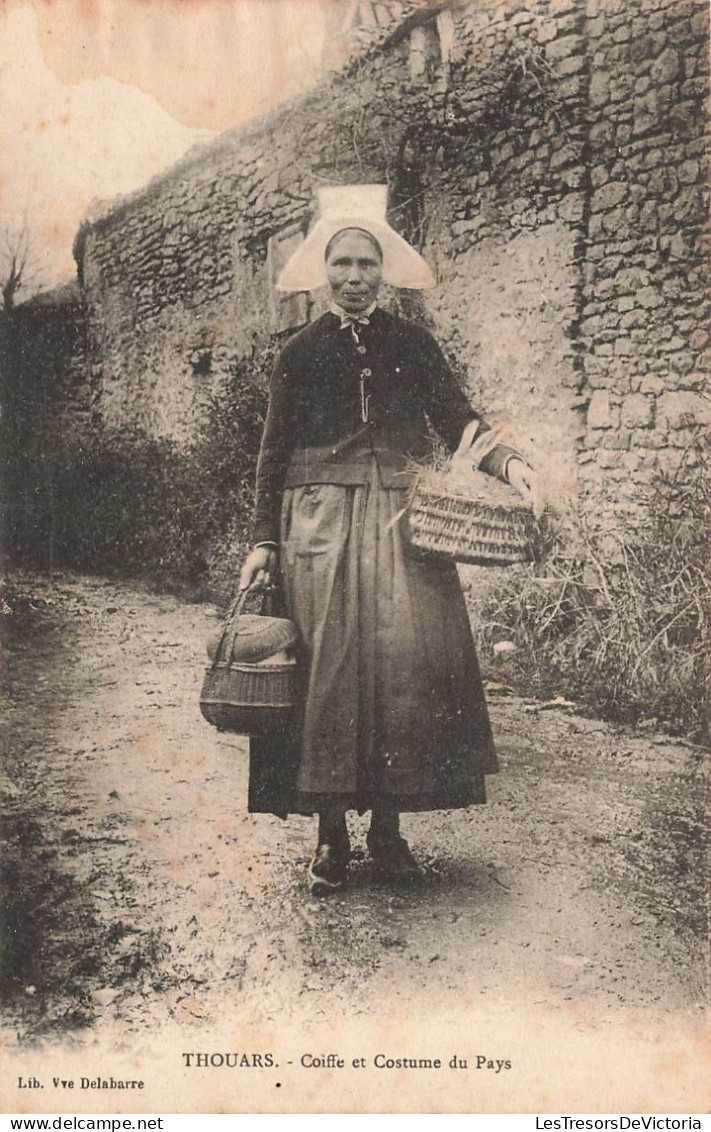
(527, 483)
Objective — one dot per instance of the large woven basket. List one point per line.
(463, 514)
(250, 698)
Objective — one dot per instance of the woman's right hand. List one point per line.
(260, 568)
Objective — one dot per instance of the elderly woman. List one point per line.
(394, 717)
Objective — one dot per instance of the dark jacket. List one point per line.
(315, 432)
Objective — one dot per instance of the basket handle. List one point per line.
(226, 642)
(238, 602)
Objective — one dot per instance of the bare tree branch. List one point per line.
(17, 272)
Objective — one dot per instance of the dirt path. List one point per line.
(139, 889)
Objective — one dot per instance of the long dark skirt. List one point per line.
(393, 705)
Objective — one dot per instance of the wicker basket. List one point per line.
(466, 515)
(249, 698)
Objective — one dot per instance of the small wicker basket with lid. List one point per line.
(251, 685)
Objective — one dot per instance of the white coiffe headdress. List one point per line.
(353, 206)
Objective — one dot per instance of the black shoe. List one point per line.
(328, 869)
(392, 857)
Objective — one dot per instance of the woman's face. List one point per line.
(354, 270)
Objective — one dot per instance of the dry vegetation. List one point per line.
(624, 631)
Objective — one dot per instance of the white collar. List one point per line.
(347, 318)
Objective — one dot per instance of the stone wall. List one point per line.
(547, 156)
(46, 414)
(644, 298)
(507, 230)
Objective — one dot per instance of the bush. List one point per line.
(143, 506)
(625, 632)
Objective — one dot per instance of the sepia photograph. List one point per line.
(355, 520)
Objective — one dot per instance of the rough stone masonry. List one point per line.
(550, 157)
